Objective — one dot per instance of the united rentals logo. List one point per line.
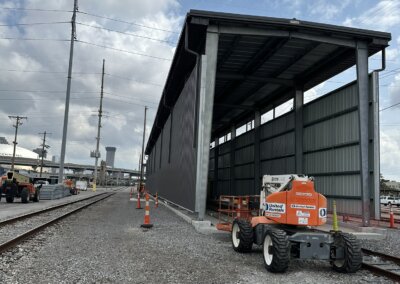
(275, 207)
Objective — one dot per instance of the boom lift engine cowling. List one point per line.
(289, 208)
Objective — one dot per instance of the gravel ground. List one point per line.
(9, 231)
(105, 244)
(390, 245)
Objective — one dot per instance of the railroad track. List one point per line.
(18, 229)
(382, 264)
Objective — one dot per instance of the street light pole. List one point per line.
(142, 156)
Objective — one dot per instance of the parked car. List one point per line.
(81, 185)
(390, 200)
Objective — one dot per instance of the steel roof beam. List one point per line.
(325, 38)
(242, 77)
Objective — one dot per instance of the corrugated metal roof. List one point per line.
(254, 69)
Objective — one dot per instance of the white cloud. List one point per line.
(390, 153)
(384, 15)
(124, 98)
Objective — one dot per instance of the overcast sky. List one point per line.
(33, 73)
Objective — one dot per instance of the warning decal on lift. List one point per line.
(300, 213)
(303, 221)
(322, 212)
(302, 206)
(274, 215)
(275, 207)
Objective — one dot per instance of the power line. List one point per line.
(122, 50)
(125, 33)
(46, 91)
(389, 107)
(33, 24)
(35, 9)
(33, 39)
(129, 79)
(126, 22)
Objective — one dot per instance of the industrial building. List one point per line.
(229, 76)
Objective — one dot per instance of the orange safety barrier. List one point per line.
(232, 207)
(147, 223)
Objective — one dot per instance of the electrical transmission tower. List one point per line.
(44, 151)
(18, 122)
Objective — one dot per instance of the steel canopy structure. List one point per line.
(227, 71)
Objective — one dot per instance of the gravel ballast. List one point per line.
(105, 244)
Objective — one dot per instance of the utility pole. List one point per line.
(67, 98)
(97, 153)
(43, 150)
(142, 156)
(17, 123)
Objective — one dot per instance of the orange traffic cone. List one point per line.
(156, 200)
(391, 223)
(138, 206)
(146, 223)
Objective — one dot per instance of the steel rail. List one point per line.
(41, 211)
(38, 212)
(379, 270)
(20, 238)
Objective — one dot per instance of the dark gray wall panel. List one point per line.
(165, 143)
(176, 180)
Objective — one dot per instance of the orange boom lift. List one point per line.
(289, 210)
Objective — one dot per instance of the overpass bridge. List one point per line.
(5, 160)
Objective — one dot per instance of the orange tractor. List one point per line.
(15, 185)
(289, 209)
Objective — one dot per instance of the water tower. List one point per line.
(110, 156)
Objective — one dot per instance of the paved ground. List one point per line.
(104, 244)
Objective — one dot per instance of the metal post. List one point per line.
(43, 151)
(17, 123)
(375, 106)
(65, 127)
(298, 104)
(142, 156)
(232, 160)
(363, 118)
(257, 152)
(97, 153)
(206, 103)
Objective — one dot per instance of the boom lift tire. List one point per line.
(276, 250)
(36, 198)
(352, 254)
(24, 195)
(10, 199)
(242, 235)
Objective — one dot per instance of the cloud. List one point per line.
(384, 15)
(131, 81)
(390, 152)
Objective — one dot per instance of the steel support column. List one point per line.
(232, 161)
(376, 139)
(257, 124)
(363, 111)
(216, 154)
(298, 104)
(205, 111)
